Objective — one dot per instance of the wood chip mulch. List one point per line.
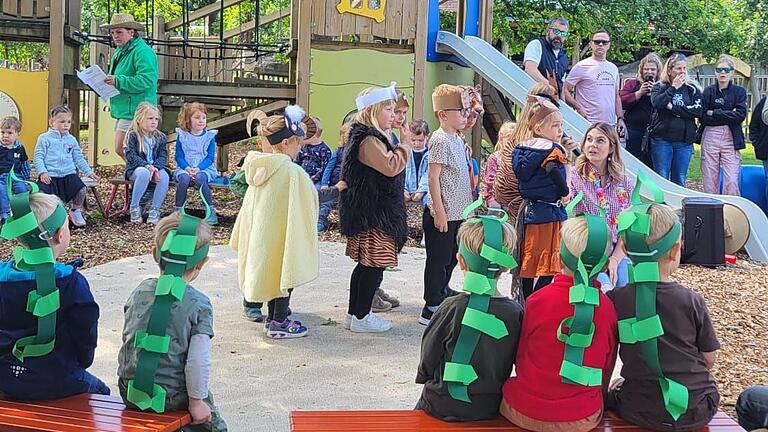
(735, 293)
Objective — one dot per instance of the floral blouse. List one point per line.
(601, 192)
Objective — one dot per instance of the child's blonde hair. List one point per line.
(574, 235)
(369, 115)
(204, 232)
(142, 111)
(11, 122)
(522, 131)
(662, 219)
(187, 111)
(267, 126)
(42, 206)
(472, 236)
(506, 131)
(344, 134)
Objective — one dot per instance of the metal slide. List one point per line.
(513, 82)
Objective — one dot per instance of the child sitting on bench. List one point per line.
(165, 361)
(48, 317)
(568, 342)
(667, 339)
(469, 346)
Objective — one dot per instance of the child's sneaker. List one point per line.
(268, 321)
(388, 298)
(370, 324)
(347, 321)
(379, 304)
(287, 329)
(213, 219)
(136, 214)
(253, 314)
(77, 217)
(426, 314)
(154, 216)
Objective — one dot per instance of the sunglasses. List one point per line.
(723, 70)
(562, 33)
(601, 42)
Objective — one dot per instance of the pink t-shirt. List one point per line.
(596, 83)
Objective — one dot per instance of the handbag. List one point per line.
(645, 144)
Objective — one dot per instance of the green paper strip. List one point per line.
(26, 347)
(583, 294)
(574, 339)
(19, 226)
(675, 397)
(35, 257)
(485, 322)
(632, 331)
(583, 375)
(499, 257)
(460, 373)
(152, 343)
(144, 401)
(478, 284)
(41, 306)
(644, 272)
(170, 284)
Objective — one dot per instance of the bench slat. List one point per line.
(85, 413)
(410, 420)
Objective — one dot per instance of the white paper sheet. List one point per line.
(93, 76)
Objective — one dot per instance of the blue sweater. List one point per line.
(54, 375)
(332, 171)
(59, 155)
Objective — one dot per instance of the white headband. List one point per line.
(376, 96)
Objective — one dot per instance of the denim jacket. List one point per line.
(417, 178)
(59, 155)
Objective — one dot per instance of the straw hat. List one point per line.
(736, 228)
(123, 20)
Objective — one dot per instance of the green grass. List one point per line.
(694, 169)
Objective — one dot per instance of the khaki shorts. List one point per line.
(122, 125)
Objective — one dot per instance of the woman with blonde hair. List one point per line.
(371, 209)
(676, 101)
(724, 108)
(600, 175)
(636, 100)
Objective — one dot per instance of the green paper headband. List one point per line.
(38, 257)
(584, 297)
(178, 254)
(646, 327)
(480, 283)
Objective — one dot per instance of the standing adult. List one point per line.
(724, 109)
(758, 135)
(676, 101)
(596, 83)
(133, 71)
(636, 101)
(600, 175)
(545, 59)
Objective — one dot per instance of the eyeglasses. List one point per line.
(601, 42)
(723, 70)
(464, 112)
(562, 33)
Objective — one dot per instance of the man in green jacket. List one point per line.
(133, 70)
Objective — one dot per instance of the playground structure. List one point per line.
(337, 48)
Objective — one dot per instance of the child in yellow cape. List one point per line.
(275, 234)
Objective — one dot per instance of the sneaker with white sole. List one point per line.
(379, 304)
(287, 329)
(426, 314)
(369, 324)
(77, 217)
(135, 214)
(154, 216)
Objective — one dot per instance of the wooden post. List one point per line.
(420, 61)
(56, 43)
(303, 60)
(158, 28)
(461, 16)
(93, 104)
(73, 8)
(293, 65)
(486, 32)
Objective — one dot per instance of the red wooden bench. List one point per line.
(119, 182)
(402, 421)
(85, 413)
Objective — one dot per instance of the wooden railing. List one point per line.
(37, 9)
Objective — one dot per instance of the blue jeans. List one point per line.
(752, 408)
(141, 179)
(199, 182)
(328, 200)
(671, 159)
(5, 203)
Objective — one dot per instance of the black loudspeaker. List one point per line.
(703, 232)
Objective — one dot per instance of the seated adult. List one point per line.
(599, 174)
(636, 101)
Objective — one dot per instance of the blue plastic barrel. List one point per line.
(752, 185)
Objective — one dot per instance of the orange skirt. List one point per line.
(541, 250)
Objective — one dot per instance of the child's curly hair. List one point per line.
(187, 111)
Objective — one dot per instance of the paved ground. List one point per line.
(258, 381)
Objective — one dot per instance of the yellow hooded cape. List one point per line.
(275, 234)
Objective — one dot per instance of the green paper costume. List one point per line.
(480, 283)
(36, 257)
(178, 254)
(584, 297)
(646, 327)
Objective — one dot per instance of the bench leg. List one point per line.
(98, 201)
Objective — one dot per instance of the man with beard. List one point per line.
(595, 81)
(545, 59)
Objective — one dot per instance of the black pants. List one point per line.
(634, 146)
(362, 286)
(277, 308)
(441, 257)
(529, 287)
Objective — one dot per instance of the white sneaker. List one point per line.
(370, 324)
(77, 217)
(347, 321)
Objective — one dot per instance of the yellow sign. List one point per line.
(373, 9)
(25, 94)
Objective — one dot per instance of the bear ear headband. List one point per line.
(546, 107)
(377, 96)
(292, 116)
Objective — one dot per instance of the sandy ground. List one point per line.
(257, 381)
